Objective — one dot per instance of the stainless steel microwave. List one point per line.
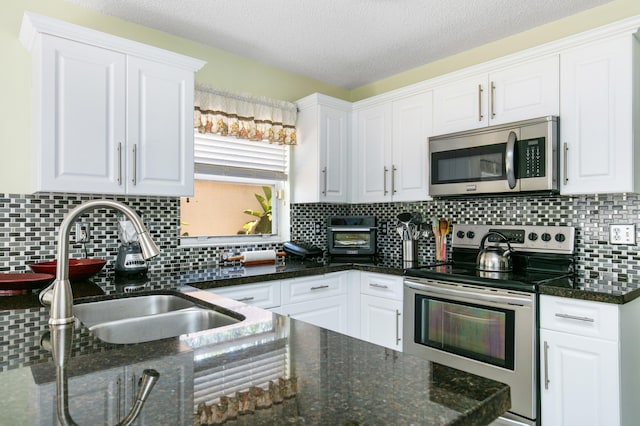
(511, 158)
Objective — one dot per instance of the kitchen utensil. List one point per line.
(494, 258)
(79, 269)
(18, 283)
(257, 257)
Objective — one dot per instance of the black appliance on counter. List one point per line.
(486, 321)
(351, 238)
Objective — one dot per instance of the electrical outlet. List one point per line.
(383, 228)
(82, 232)
(622, 234)
(318, 228)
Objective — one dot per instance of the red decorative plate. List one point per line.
(79, 269)
(16, 283)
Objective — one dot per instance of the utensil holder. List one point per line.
(409, 254)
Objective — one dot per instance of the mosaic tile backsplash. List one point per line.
(30, 224)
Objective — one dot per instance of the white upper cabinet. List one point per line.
(159, 129)
(111, 116)
(391, 150)
(319, 163)
(598, 81)
(519, 92)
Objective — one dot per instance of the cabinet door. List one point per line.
(79, 124)
(93, 398)
(171, 399)
(374, 154)
(333, 154)
(381, 321)
(462, 105)
(596, 93)
(579, 380)
(159, 129)
(411, 128)
(525, 91)
(329, 312)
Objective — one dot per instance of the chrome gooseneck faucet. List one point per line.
(60, 297)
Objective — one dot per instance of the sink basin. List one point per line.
(145, 318)
(160, 326)
(118, 309)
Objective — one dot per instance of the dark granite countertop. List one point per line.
(321, 377)
(600, 289)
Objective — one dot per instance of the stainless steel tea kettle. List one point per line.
(494, 258)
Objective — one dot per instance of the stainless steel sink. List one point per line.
(146, 318)
(117, 309)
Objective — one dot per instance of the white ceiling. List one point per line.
(347, 43)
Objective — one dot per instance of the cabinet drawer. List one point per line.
(584, 318)
(381, 285)
(311, 288)
(263, 295)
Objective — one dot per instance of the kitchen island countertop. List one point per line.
(340, 380)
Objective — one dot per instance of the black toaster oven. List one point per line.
(351, 236)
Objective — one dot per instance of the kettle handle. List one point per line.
(505, 239)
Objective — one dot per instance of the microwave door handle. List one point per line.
(510, 160)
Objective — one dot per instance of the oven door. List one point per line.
(485, 331)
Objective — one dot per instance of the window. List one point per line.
(239, 193)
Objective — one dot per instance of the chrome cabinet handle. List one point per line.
(480, 116)
(134, 389)
(384, 180)
(135, 163)
(119, 163)
(566, 163)
(546, 365)
(319, 287)
(393, 178)
(492, 96)
(398, 327)
(574, 317)
(118, 397)
(245, 299)
(510, 160)
(324, 179)
(378, 285)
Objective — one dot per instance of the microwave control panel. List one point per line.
(530, 154)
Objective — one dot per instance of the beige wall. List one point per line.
(223, 70)
(598, 16)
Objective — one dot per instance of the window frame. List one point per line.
(280, 204)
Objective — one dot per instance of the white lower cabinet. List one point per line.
(588, 362)
(106, 396)
(319, 300)
(265, 295)
(381, 309)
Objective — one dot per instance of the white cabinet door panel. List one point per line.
(580, 385)
(159, 131)
(374, 153)
(381, 321)
(81, 118)
(411, 128)
(526, 91)
(461, 105)
(329, 312)
(597, 122)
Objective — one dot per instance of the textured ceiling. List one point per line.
(347, 43)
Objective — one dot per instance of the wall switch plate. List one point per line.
(622, 234)
(82, 232)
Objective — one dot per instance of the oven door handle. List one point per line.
(495, 298)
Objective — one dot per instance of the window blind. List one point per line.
(226, 156)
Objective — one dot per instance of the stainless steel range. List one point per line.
(479, 312)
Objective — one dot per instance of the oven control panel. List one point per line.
(543, 239)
